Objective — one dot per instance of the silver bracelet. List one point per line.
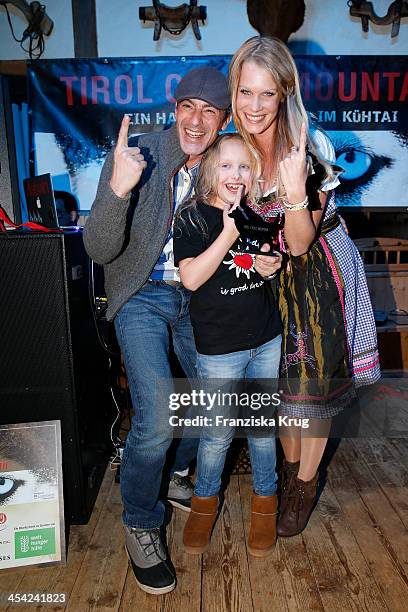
(299, 206)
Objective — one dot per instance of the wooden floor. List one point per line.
(352, 556)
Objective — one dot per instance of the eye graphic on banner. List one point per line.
(373, 164)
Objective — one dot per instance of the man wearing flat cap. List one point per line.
(129, 232)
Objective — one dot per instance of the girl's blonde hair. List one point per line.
(207, 181)
(272, 55)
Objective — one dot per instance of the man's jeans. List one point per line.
(259, 363)
(143, 327)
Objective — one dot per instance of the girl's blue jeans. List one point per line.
(258, 363)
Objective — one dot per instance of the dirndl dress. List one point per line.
(329, 339)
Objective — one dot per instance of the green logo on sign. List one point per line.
(34, 543)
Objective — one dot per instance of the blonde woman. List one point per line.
(329, 341)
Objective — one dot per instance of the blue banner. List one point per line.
(77, 106)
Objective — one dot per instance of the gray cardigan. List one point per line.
(127, 235)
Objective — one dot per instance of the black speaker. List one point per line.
(51, 363)
(9, 194)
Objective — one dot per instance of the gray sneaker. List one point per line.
(149, 561)
(180, 492)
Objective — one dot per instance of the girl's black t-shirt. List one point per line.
(235, 309)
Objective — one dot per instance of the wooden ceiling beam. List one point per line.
(13, 67)
(84, 22)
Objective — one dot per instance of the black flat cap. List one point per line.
(205, 83)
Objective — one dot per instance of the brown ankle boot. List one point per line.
(197, 530)
(289, 471)
(301, 498)
(262, 532)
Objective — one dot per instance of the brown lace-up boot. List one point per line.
(289, 472)
(197, 530)
(299, 506)
(262, 531)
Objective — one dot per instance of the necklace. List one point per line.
(265, 186)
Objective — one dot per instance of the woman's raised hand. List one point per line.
(128, 163)
(293, 170)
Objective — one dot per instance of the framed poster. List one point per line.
(31, 495)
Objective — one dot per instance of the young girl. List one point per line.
(237, 332)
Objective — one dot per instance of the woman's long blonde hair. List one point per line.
(272, 55)
(207, 181)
